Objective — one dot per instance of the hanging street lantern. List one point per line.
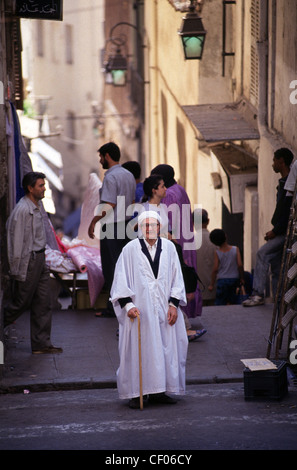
(192, 34)
(117, 67)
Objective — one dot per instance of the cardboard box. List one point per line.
(83, 300)
(271, 384)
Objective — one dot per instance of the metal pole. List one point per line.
(140, 364)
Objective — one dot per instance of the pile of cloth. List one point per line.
(78, 255)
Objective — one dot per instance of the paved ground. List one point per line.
(79, 406)
(90, 347)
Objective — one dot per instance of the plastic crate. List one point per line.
(271, 384)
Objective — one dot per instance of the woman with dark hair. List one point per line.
(154, 192)
(150, 187)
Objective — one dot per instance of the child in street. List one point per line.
(227, 269)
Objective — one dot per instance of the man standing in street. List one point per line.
(271, 252)
(148, 283)
(116, 195)
(26, 242)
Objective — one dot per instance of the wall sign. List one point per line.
(39, 9)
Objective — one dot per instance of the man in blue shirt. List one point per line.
(116, 195)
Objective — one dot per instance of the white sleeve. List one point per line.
(291, 180)
(128, 306)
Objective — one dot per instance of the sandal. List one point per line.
(197, 335)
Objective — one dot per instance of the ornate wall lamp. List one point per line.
(116, 66)
(192, 34)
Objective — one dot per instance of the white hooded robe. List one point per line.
(163, 347)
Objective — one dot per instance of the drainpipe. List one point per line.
(263, 68)
(264, 129)
(154, 140)
(272, 64)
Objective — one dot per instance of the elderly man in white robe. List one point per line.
(148, 282)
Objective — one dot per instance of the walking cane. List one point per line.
(140, 364)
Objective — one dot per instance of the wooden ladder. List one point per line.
(285, 305)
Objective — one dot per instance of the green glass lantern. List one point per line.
(192, 35)
(117, 66)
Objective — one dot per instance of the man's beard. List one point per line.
(105, 164)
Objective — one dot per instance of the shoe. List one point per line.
(48, 350)
(134, 403)
(253, 301)
(162, 398)
(197, 335)
(105, 313)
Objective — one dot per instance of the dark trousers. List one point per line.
(226, 291)
(33, 294)
(111, 245)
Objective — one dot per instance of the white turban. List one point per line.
(147, 215)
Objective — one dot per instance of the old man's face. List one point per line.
(150, 228)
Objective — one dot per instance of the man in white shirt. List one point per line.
(148, 282)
